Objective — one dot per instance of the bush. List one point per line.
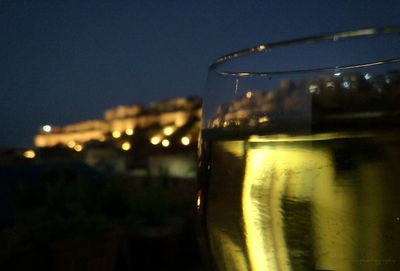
(63, 206)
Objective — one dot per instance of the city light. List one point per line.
(78, 148)
(198, 200)
(121, 123)
(46, 128)
(313, 88)
(263, 119)
(330, 85)
(346, 84)
(116, 134)
(129, 131)
(30, 154)
(180, 121)
(248, 94)
(126, 146)
(185, 140)
(155, 140)
(261, 47)
(165, 142)
(71, 144)
(337, 74)
(169, 130)
(367, 76)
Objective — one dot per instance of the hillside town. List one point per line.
(160, 139)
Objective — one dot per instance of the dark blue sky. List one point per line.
(67, 61)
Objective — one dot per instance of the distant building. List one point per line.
(73, 134)
(157, 141)
(122, 120)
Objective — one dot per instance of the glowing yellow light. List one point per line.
(165, 142)
(198, 201)
(248, 94)
(126, 146)
(129, 131)
(185, 140)
(29, 154)
(71, 144)
(102, 139)
(263, 219)
(78, 148)
(116, 134)
(46, 128)
(263, 119)
(313, 88)
(168, 130)
(180, 121)
(155, 140)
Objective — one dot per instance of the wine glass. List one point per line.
(300, 155)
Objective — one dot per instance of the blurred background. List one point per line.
(100, 119)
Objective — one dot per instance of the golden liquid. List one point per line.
(328, 201)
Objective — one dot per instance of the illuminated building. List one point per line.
(73, 134)
(159, 139)
(169, 114)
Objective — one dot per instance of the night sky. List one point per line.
(66, 61)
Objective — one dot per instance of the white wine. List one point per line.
(318, 201)
(300, 150)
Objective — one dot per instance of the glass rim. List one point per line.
(265, 47)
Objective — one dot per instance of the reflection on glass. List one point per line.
(348, 93)
(312, 202)
(299, 168)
